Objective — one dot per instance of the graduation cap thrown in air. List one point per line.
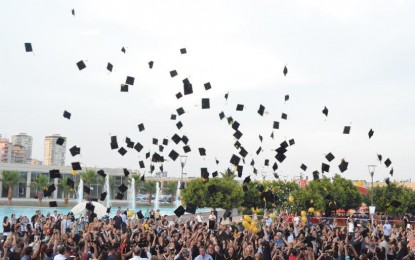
(75, 150)
(81, 65)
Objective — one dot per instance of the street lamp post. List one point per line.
(372, 208)
(183, 160)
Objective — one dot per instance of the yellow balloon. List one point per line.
(253, 223)
(255, 230)
(245, 224)
(146, 226)
(311, 210)
(271, 215)
(303, 213)
(247, 218)
(291, 199)
(304, 219)
(130, 213)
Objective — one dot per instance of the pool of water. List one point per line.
(30, 211)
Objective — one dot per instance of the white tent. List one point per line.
(100, 209)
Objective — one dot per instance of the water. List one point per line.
(107, 187)
(132, 199)
(157, 203)
(81, 191)
(177, 201)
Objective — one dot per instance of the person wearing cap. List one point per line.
(203, 255)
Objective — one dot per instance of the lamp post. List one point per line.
(371, 172)
(183, 160)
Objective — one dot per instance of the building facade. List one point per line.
(26, 142)
(54, 154)
(18, 154)
(5, 150)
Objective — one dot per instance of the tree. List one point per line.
(251, 198)
(229, 193)
(228, 174)
(89, 177)
(383, 196)
(171, 190)
(67, 190)
(40, 184)
(150, 188)
(10, 179)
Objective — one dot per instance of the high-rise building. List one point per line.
(18, 154)
(54, 154)
(5, 150)
(26, 141)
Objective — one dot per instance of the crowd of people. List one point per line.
(278, 237)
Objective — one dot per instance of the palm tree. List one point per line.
(171, 190)
(89, 177)
(67, 190)
(111, 181)
(150, 188)
(228, 174)
(10, 179)
(40, 184)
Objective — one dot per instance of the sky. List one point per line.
(356, 58)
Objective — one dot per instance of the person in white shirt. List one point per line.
(137, 254)
(387, 229)
(199, 218)
(202, 254)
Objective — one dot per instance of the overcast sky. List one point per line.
(355, 57)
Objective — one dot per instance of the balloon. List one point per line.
(291, 199)
(311, 210)
(130, 213)
(146, 226)
(247, 218)
(245, 224)
(253, 224)
(304, 219)
(303, 213)
(271, 215)
(255, 230)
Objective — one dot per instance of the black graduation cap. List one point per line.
(75, 150)
(176, 138)
(266, 162)
(303, 167)
(141, 163)
(143, 178)
(28, 47)
(147, 155)
(391, 172)
(102, 173)
(103, 196)
(261, 110)
(185, 140)
(280, 157)
(124, 88)
(150, 64)
(119, 196)
(243, 152)
(272, 134)
(235, 125)
(202, 151)
(330, 157)
(285, 71)
(260, 188)
(182, 185)
(191, 208)
(346, 130)
(123, 50)
(173, 73)
(122, 151)
(109, 67)
(325, 167)
(275, 166)
(207, 86)
(217, 161)
(343, 165)
(141, 127)
(283, 145)
(221, 115)
(179, 211)
(235, 160)
(86, 189)
(53, 204)
(76, 166)
(237, 145)
(51, 188)
(173, 155)
(247, 180)
(388, 181)
(179, 95)
(109, 210)
(238, 134)
(187, 87)
(259, 150)
(126, 172)
(388, 162)
(60, 141)
(395, 203)
(114, 142)
(325, 111)
(316, 175)
(252, 162)
(54, 174)
(66, 114)
(161, 148)
(214, 174)
(180, 111)
(284, 116)
(70, 183)
(371, 132)
(205, 103)
(240, 170)
(81, 65)
(380, 157)
(129, 80)
(230, 120)
(291, 142)
(90, 207)
(138, 147)
(179, 125)
(183, 51)
(73, 12)
(122, 188)
(204, 173)
(212, 189)
(276, 125)
(239, 107)
(187, 149)
(276, 175)
(287, 97)
(140, 214)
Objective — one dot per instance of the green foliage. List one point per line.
(63, 186)
(89, 177)
(383, 196)
(10, 178)
(40, 183)
(229, 195)
(171, 188)
(150, 187)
